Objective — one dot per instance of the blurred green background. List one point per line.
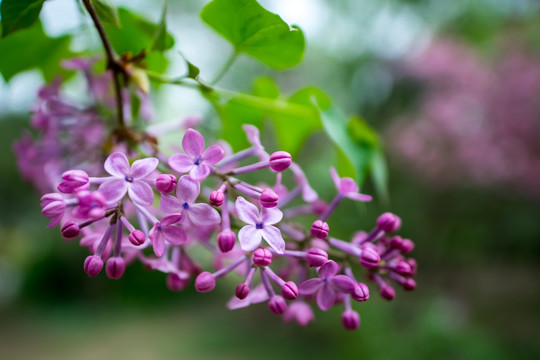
(477, 246)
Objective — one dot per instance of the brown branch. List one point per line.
(112, 62)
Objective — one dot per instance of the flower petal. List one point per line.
(310, 286)
(117, 165)
(308, 194)
(181, 163)
(193, 143)
(200, 172)
(170, 204)
(213, 154)
(171, 219)
(140, 193)
(143, 167)
(328, 269)
(187, 190)
(203, 215)
(359, 197)
(174, 235)
(113, 190)
(344, 284)
(335, 177)
(348, 186)
(271, 216)
(246, 211)
(273, 237)
(326, 297)
(249, 237)
(158, 242)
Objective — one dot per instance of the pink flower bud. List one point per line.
(289, 290)
(320, 229)
(369, 258)
(175, 282)
(361, 292)
(409, 284)
(242, 291)
(396, 242)
(269, 198)
(388, 292)
(115, 267)
(136, 237)
(205, 282)
(316, 257)
(350, 320)
(389, 222)
(166, 183)
(414, 266)
(70, 230)
(407, 246)
(280, 160)
(216, 198)
(277, 305)
(262, 257)
(226, 240)
(74, 180)
(403, 268)
(93, 265)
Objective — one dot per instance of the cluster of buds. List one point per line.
(158, 210)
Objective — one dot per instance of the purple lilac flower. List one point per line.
(328, 285)
(197, 161)
(187, 192)
(167, 230)
(128, 179)
(259, 226)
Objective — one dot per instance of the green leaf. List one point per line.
(160, 38)
(107, 11)
(379, 174)
(32, 49)
(265, 86)
(255, 31)
(137, 34)
(19, 14)
(354, 138)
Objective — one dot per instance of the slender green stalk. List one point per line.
(225, 68)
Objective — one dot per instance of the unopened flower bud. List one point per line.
(176, 283)
(216, 198)
(361, 292)
(115, 267)
(407, 246)
(316, 257)
(277, 305)
(414, 266)
(205, 282)
(389, 222)
(166, 183)
(396, 242)
(136, 237)
(350, 320)
(262, 257)
(70, 230)
(320, 229)
(280, 160)
(289, 290)
(409, 284)
(93, 265)
(388, 292)
(226, 240)
(242, 291)
(369, 258)
(269, 198)
(74, 180)
(403, 268)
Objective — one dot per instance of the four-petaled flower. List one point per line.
(187, 191)
(259, 226)
(126, 179)
(348, 187)
(327, 285)
(167, 230)
(197, 161)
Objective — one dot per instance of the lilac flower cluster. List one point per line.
(478, 119)
(159, 210)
